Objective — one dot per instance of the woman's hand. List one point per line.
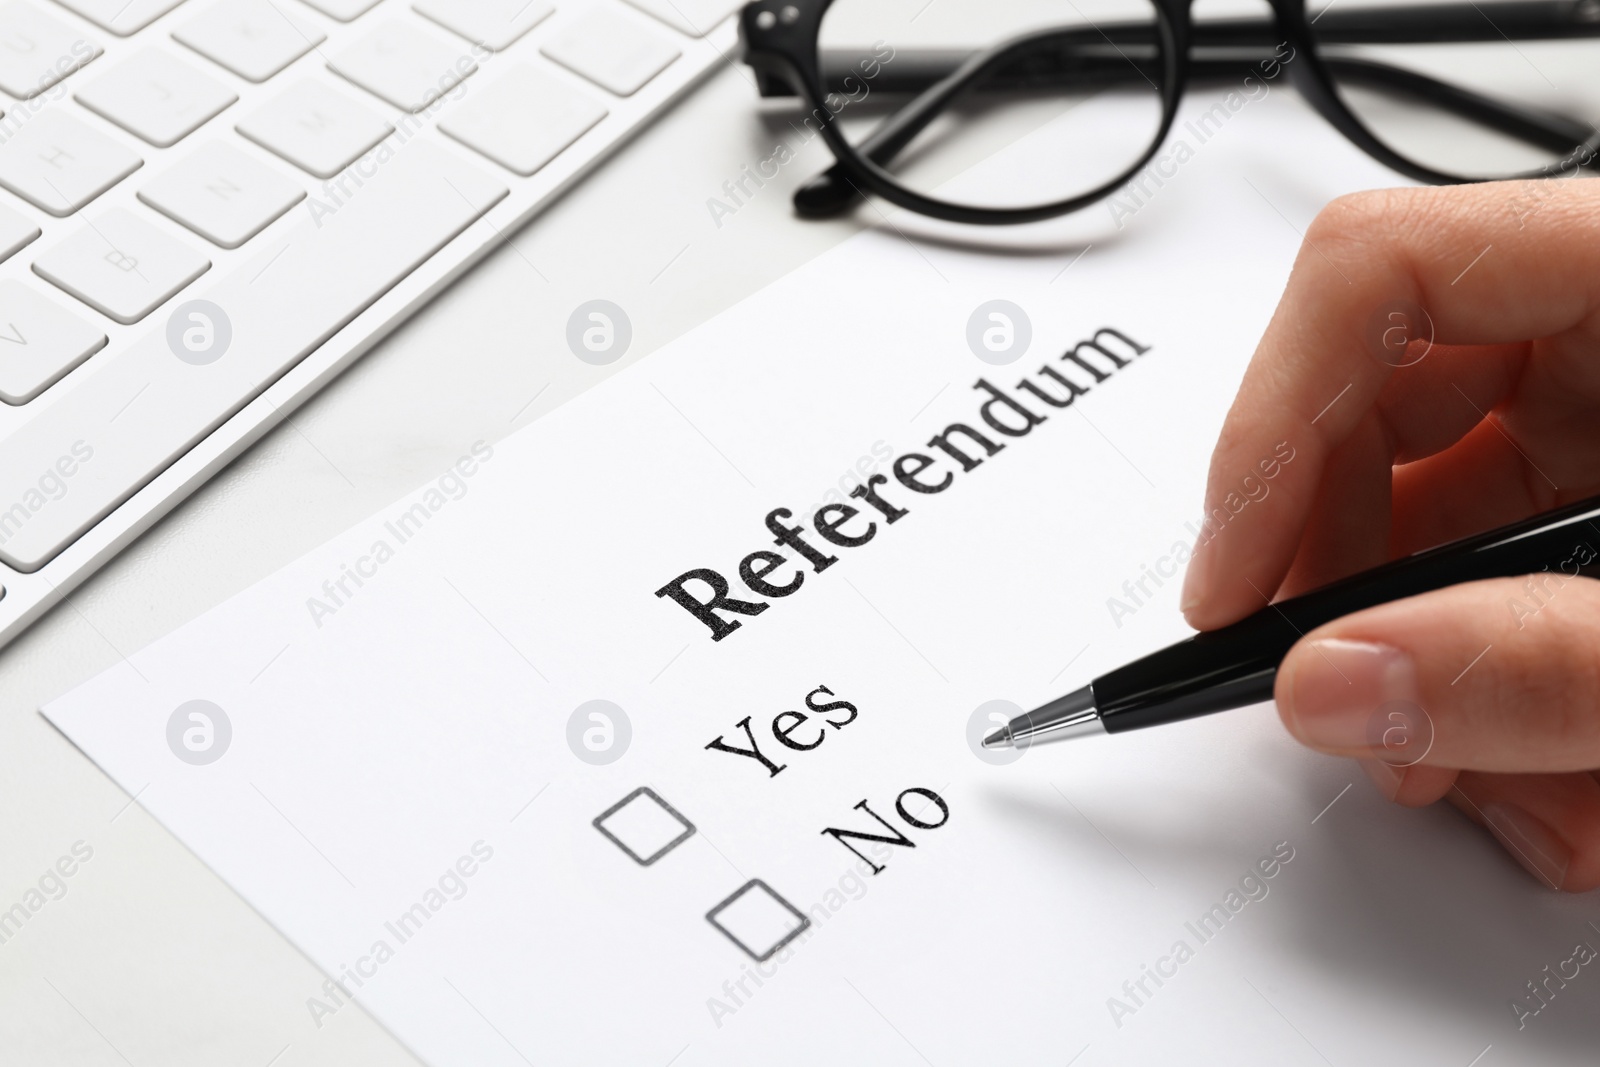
(1400, 447)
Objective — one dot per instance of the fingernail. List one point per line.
(1196, 579)
(1534, 844)
(1385, 777)
(1337, 687)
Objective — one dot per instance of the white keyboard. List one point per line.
(208, 208)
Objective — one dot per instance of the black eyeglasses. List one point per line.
(1097, 83)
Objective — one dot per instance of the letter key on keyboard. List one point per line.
(39, 342)
(316, 128)
(495, 24)
(121, 265)
(156, 97)
(253, 38)
(36, 51)
(403, 65)
(146, 405)
(121, 17)
(59, 164)
(223, 194)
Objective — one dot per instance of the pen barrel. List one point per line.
(1236, 665)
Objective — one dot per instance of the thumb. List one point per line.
(1500, 675)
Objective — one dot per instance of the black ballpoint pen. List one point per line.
(1236, 665)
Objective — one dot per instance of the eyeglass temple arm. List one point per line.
(1533, 126)
(831, 192)
(1516, 20)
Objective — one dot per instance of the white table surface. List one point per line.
(149, 958)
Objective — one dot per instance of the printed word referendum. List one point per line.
(707, 594)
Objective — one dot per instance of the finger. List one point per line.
(1348, 528)
(1414, 786)
(1481, 483)
(1368, 511)
(1314, 377)
(1499, 675)
(1429, 406)
(1549, 823)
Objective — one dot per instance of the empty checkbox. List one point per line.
(644, 826)
(758, 920)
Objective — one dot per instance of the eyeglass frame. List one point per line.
(780, 41)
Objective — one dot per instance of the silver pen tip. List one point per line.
(1072, 715)
(1001, 738)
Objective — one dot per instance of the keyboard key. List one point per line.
(253, 38)
(524, 119)
(16, 232)
(693, 17)
(121, 17)
(223, 194)
(36, 51)
(143, 407)
(156, 97)
(315, 128)
(39, 342)
(613, 52)
(121, 265)
(343, 10)
(404, 65)
(59, 164)
(495, 24)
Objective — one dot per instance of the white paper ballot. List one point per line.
(525, 807)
